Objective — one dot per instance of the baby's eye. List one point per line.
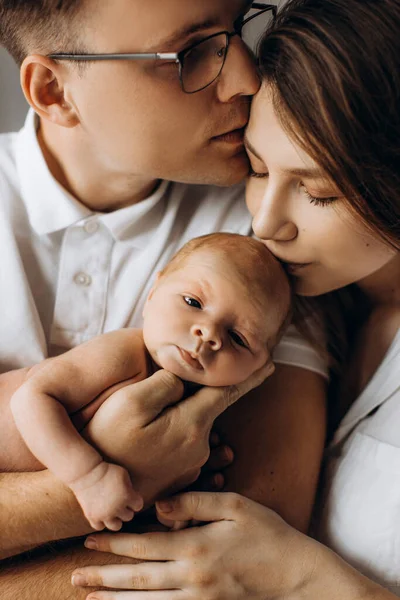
(235, 337)
(192, 302)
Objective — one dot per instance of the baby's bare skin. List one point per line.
(59, 397)
(200, 323)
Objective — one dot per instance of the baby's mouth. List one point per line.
(190, 359)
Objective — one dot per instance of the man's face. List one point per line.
(200, 323)
(134, 115)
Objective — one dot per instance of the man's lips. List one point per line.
(234, 136)
(190, 360)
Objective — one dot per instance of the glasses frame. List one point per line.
(178, 57)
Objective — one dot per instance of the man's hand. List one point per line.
(161, 441)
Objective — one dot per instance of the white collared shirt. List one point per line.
(68, 273)
(361, 505)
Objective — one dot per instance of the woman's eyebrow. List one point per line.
(314, 172)
(248, 145)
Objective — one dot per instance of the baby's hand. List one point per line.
(106, 496)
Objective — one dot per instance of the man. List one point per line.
(88, 218)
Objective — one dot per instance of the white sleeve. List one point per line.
(294, 350)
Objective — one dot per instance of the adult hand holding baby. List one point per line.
(162, 441)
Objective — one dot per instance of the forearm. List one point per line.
(35, 508)
(334, 579)
(277, 433)
(49, 576)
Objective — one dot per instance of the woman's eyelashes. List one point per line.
(317, 200)
(257, 175)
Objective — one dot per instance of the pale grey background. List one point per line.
(13, 106)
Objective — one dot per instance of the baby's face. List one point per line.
(202, 324)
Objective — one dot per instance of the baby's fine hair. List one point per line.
(255, 266)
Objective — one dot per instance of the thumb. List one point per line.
(201, 506)
(152, 395)
(209, 403)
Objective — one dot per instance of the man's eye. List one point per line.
(235, 337)
(192, 302)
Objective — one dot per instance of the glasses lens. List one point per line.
(254, 30)
(202, 64)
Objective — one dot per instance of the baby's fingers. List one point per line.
(113, 524)
(126, 514)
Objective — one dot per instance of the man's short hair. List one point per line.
(40, 26)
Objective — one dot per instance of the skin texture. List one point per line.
(93, 127)
(108, 135)
(296, 227)
(206, 311)
(245, 551)
(256, 540)
(231, 348)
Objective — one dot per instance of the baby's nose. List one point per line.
(208, 334)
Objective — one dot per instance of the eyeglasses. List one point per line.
(200, 64)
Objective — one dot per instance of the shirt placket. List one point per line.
(82, 289)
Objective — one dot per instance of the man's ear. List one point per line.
(43, 86)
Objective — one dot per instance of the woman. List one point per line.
(323, 141)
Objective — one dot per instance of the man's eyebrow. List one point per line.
(185, 32)
(300, 171)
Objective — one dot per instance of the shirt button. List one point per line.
(91, 226)
(83, 279)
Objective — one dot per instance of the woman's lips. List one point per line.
(190, 360)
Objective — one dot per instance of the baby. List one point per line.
(213, 317)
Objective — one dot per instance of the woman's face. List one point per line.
(301, 215)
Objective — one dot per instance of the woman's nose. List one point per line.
(272, 219)
(207, 334)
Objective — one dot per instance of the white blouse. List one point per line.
(361, 506)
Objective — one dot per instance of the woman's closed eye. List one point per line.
(192, 302)
(256, 174)
(318, 200)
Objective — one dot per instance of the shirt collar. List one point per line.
(51, 208)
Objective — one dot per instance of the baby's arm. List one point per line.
(64, 385)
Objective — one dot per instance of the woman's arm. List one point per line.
(277, 433)
(246, 551)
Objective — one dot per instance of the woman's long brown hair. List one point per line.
(334, 69)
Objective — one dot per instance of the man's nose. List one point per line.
(207, 333)
(239, 77)
(272, 220)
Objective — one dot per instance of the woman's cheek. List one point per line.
(254, 195)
